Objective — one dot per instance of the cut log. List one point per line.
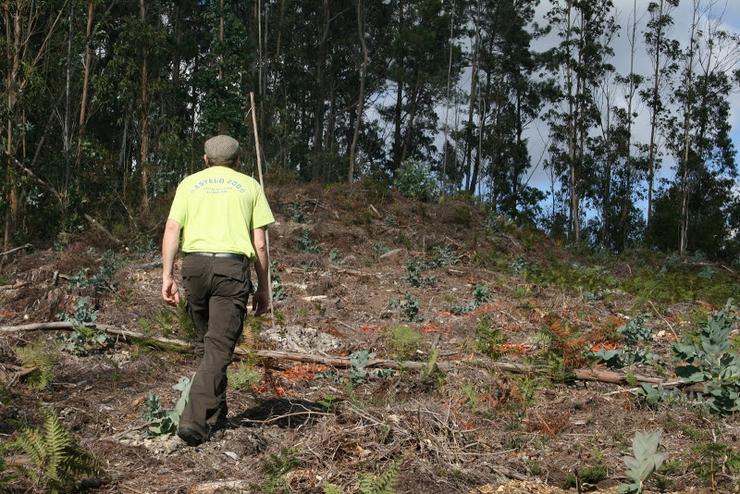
(15, 249)
(596, 375)
(95, 223)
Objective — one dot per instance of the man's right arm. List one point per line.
(261, 266)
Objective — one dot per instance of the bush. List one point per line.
(402, 341)
(414, 180)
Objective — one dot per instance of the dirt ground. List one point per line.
(467, 428)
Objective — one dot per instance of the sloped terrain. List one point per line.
(455, 294)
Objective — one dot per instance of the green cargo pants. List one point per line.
(217, 289)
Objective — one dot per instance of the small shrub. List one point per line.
(358, 363)
(56, 460)
(714, 459)
(636, 338)
(243, 376)
(410, 308)
(488, 338)
(379, 248)
(163, 421)
(415, 180)
(403, 341)
(334, 256)
(295, 211)
(278, 292)
(644, 462)
(43, 357)
(276, 466)
(306, 243)
(481, 295)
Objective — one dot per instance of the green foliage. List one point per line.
(414, 274)
(710, 359)
(85, 312)
(163, 421)
(589, 475)
(358, 363)
(636, 336)
(276, 466)
(644, 462)
(243, 376)
(715, 458)
(410, 308)
(487, 337)
(296, 212)
(382, 483)
(306, 243)
(414, 180)
(57, 462)
(278, 292)
(379, 248)
(102, 279)
(402, 341)
(654, 395)
(334, 256)
(481, 295)
(443, 257)
(43, 357)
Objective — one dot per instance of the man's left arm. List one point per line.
(170, 242)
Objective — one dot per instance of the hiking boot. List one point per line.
(190, 436)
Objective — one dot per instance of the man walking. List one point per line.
(223, 215)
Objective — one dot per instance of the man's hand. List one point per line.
(261, 302)
(170, 294)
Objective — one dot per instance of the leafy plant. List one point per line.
(443, 257)
(488, 338)
(714, 459)
(415, 180)
(278, 292)
(163, 421)
(296, 212)
(306, 243)
(84, 313)
(653, 395)
(402, 341)
(410, 307)
(379, 248)
(481, 295)
(636, 337)
(414, 274)
(382, 483)
(710, 359)
(334, 256)
(644, 462)
(358, 363)
(276, 466)
(43, 357)
(101, 280)
(243, 376)
(57, 462)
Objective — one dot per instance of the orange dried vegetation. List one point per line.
(302, 372)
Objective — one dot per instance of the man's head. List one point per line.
(221, 150)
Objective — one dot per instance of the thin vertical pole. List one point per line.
(262, 184)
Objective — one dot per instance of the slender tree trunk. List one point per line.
(66, 131)
(689, 82)
(320, 96)
(397, 115)
(627, 192)
(471, 108)
(361, 96)
(144, 117)
(87, 61)
(654, 120)
(574, 212)
(445, 144)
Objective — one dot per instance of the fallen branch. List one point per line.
(95, 223)
(596, 375)
(222, 486)
(16, 249)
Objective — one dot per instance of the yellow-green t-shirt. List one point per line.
(218, 208)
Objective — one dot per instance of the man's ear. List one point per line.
(205, 160)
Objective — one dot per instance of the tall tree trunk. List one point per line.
(320, 95)
(87, 61)
(144, 120)
(13, 47)
(471, 107)
(689, 83)
(655, 110)
(361, 92)
(627, 192)
(574, 213)
(445, 144)
(66, 131)
(397, 114)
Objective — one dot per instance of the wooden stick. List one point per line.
(16, 249)
(95, 223)
(262, 184)
(597, 375)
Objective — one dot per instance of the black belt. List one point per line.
(230, 255)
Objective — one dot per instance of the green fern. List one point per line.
(383, 483)
(57, 461)
(42, 356)
(332, 489)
